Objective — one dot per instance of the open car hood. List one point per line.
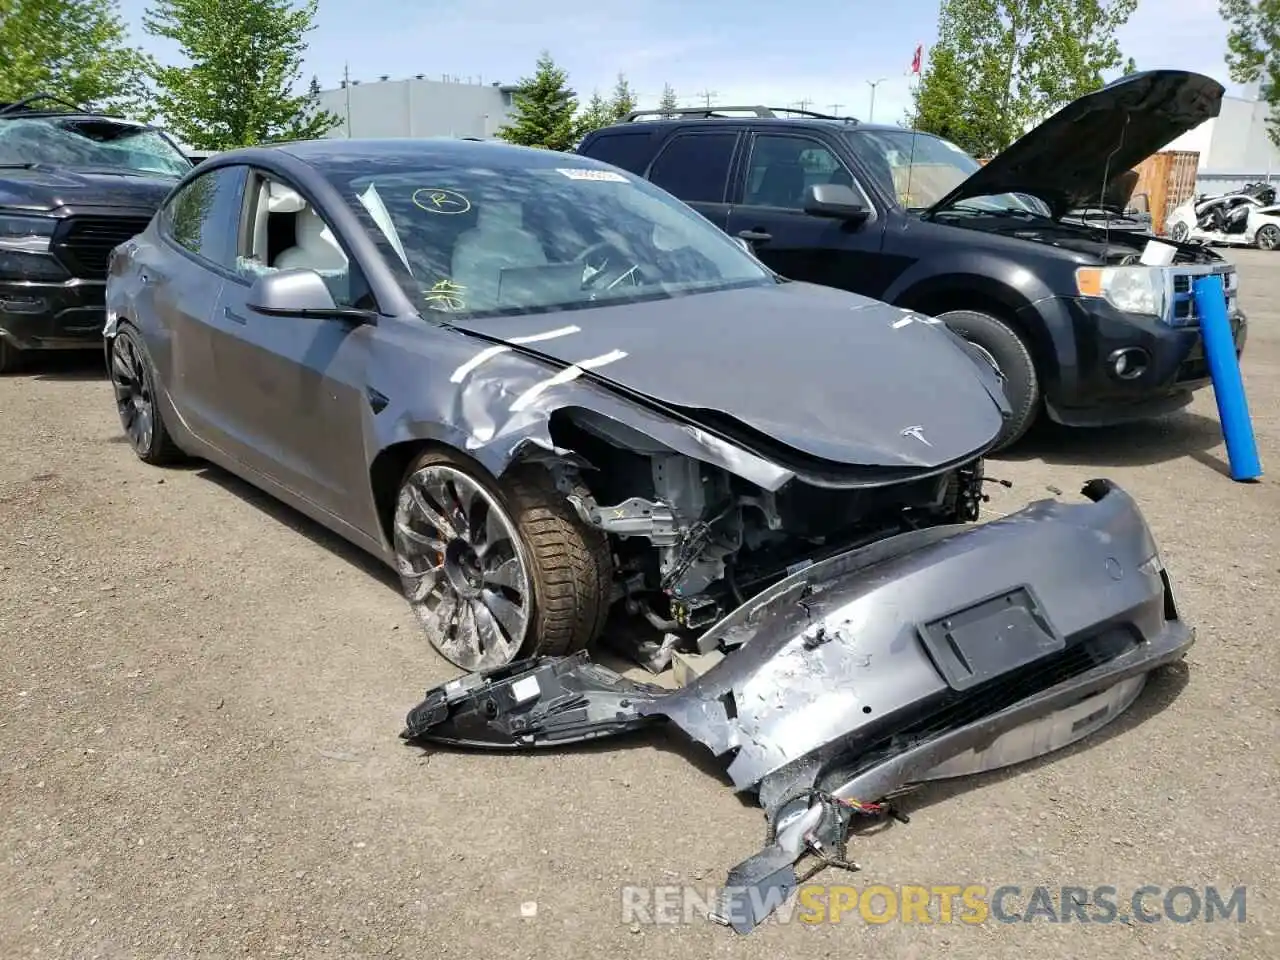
(1067, 159)
(792, 371)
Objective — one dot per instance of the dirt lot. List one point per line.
(200, 693)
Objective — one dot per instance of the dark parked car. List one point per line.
(543, 389)
(73, 185)
(1077, 325)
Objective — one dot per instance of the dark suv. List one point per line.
(73, 185)
(1080, 319)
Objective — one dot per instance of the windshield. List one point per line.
(90, 143)
(481, 240)
(919, 169)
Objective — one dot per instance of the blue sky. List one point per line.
(744, 51)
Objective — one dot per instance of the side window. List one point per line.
(628, 150)
(695, 167)
(783, 167)
(205, 216)
(284, 231)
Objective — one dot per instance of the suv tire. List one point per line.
(1012, 359)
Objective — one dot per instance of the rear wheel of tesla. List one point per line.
(498, 571)
(1008, 353)
(133, 382)
(1268, 237)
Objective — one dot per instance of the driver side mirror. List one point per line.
(835, 200)
(302, 293)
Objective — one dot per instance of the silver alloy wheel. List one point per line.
(1179, 232)
(1268, 237)
(463, 568)
(133, 395)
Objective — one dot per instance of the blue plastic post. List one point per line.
(1228, 387)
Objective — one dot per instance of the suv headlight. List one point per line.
(25, 234)
(1128, 289)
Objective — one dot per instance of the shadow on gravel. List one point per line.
(1180, 434)
(68, 365)
(284, 514)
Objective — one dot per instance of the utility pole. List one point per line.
(871, 116)
(803, 103)
(835, 109)
(707, 96)
(346, 86)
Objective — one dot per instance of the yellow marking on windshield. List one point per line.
(438, 200)
(446, 295)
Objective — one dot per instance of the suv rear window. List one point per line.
(695, 166)
(629, 150)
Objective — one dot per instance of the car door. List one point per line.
(294, 386)
(694, 165)
(770, 214)
(186, 274)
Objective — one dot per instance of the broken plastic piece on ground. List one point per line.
(944, 652)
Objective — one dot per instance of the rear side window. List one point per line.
(204, 217)
(695, 167)
(629, 150)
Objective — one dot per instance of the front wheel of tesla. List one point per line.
(1268, 237)
(133, 382)
(1178, 232)
(496, 572)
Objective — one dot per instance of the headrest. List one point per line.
(282, 199)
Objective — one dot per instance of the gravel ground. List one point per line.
(200, 693)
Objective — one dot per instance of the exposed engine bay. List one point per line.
(692, 541)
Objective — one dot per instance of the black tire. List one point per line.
(568, 563)
(133, 384)
(1178, 232)
(1267, 237)
(10, 356)
(1013, 360)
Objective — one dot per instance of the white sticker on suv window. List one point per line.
(583, 173)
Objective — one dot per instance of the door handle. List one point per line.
(755, 236)
(233, 316)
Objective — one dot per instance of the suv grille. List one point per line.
(84, 244)
(1182, 303)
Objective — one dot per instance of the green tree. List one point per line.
(243, 62)
(623, 100)
(596, 114)
(544, 109)
(1253, 51)
(668, 104)
(74, 49)
(1001, 66)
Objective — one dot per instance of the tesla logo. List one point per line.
(918, 434)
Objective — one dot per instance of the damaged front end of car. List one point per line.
(937, 653)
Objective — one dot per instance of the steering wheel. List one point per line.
(602, 266)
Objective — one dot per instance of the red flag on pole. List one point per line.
(915, 61)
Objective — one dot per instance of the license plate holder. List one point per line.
(983, 640)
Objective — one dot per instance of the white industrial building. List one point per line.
(418, 107)
(1234, 147)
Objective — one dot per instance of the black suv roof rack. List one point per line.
(24, 107)
(719, 113)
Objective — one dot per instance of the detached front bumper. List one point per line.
(937, 653)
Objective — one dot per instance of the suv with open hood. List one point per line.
(73, 185)
(1077, 325)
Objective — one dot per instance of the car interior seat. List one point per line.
(781, 186)
(497, 241)
(315, 246)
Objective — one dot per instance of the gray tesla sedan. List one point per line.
(540, 387)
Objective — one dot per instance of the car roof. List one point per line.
(354, 154)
